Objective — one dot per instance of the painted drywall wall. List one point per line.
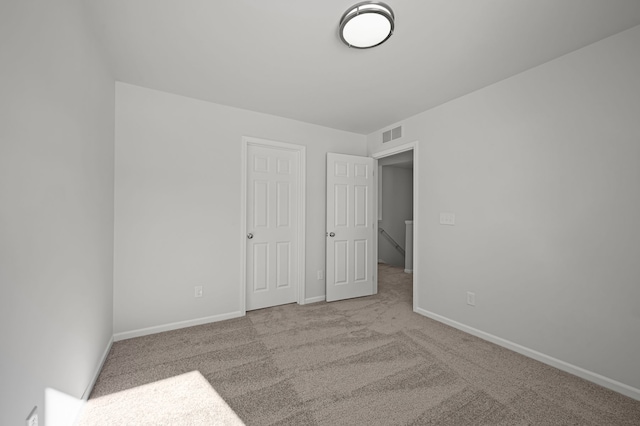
(56, 206)
(177, 203)
(397, 206)
(542, 173)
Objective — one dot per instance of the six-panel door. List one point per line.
(272, 203)
(350, 226)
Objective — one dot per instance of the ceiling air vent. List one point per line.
(392, 134)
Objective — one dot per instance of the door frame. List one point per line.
(411, 146)
(302, 190)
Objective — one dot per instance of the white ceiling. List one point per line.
(284, 57)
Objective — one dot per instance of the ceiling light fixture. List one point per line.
(366, 24)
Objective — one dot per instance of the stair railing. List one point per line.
(392, 241)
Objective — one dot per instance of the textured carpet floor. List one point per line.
(187, 399)
(367, 361)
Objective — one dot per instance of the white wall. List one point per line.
(397, 206)
(56, 205)
(542, 171)
(177, 203)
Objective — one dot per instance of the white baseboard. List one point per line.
(96, 373)
(174, 326)
(314, 299)
(77, 408)
(538, 356)
(408, 271)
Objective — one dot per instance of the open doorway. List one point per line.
(395, 210)
(396, 204)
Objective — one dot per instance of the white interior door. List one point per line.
(350, 227)
(272, 228)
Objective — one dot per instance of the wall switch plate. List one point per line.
(32, 418)
(471, 299)
(320, 275)
(447, 218)
(198, 291)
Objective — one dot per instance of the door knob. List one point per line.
(332, 234)
(249, 235)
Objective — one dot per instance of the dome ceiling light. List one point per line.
(366, 24)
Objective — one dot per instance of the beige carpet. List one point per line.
(367, 361)
(187, 399)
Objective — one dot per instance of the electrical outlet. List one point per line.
(32, 418)
(447, 219)
(471, 299)
(198, 291)
(320, 275)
